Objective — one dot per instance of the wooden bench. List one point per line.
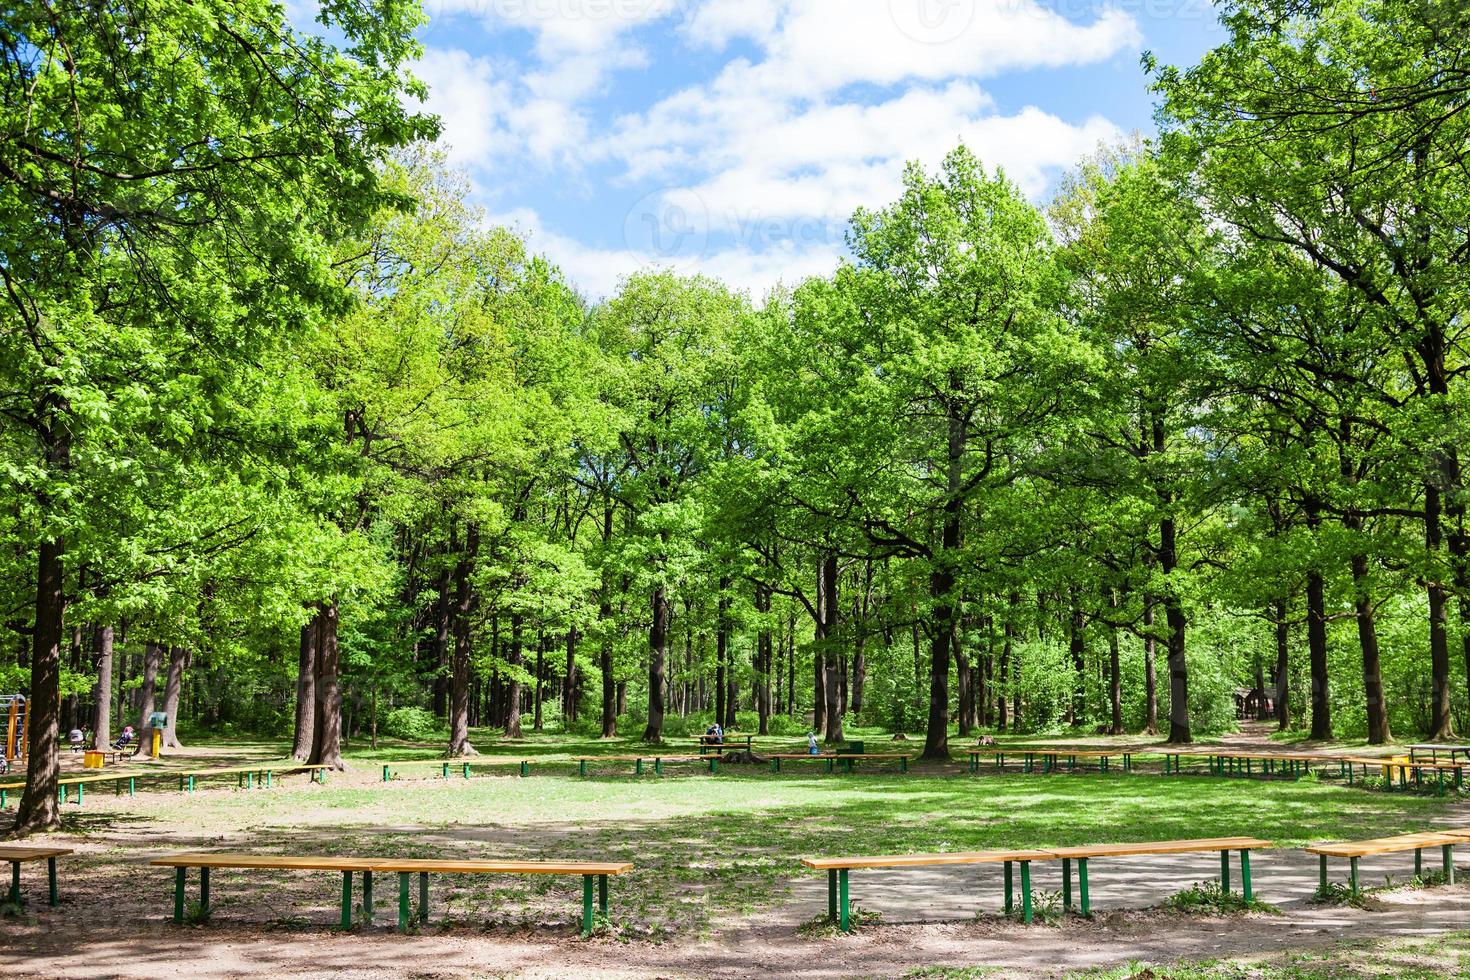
(713, 761)
(1349, 764)
(248, 776)
(461, 766)
(846, 758)
(838, 911)
(181, 863)
(593, 873)
(22, 855)
(1224, 845)
(719, 743)
(1353, 850)
(1433, 750)
(1050, 758)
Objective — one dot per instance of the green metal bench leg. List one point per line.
(404, 913)
(602, 898)
(385, 774)
(714, 765)
(2, 799)
(903, 763)
(847, 765)
(775, 765)
(423, 896)
(191, 784)
(446, 770)
(1439, 790)
(658, 767)
(1225, 872)
(637, 767)
(842, 900)
(61, 790)
(1245, 875)
(832, 895)
(1449, 864)
(581, 767)
(1322, 874)
(466, 770)
(1419, 862)
(179, 877)
(525, 768)
(1026, 892)
(347, 900)
(587, 905)
(829, 766)
(203, 891)
(1353, 876)
(80, 788)
(15, 883)
(367, 899)
(132, 786)
(1067, 884)
(1010, 890)
(1082, 885)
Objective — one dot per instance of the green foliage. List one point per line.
(1207, 897)
(411, 725)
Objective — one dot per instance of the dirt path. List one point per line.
(929, 918)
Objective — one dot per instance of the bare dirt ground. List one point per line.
(113, 919)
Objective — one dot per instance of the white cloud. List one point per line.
(468, 98)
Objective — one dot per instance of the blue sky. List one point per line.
(735, 137)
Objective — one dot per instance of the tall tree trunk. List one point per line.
(513, 678)
(38, 810)
(326, 747)
(102, 690)
(827, 586)
(1175, 620)
(443, 618)
(1283, 667)
(1002, 690)
(572, 681)
(1376, 703)
(1077, 647)
(658, 652)
(763, 658)
(1440, 719)
(965, 682)
(172, 691)
(306, 692)
(1150, 671)
(459, 677)
(1115, 675)
(536, 718)
(1317, 650)
(148, 689)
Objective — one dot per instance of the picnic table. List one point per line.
(1433, 751)
(719, 743)
(1050, 759)
(832, 758)
(21, 855)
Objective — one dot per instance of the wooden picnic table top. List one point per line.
(1028, 750)
(210, 859)
(457, 866)
(925, 860)
(1163, 847)
(14, 853)
(638, 758)
(712, 738)
(1386, 845)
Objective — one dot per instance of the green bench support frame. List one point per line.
(54, 893)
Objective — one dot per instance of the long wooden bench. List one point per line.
(1224, 845)
(846, 758)
(1353, 850)
(461, 766)
(713, 761)
(246, 776)
(1050, 758)
(23, 855)
(1348, 766)
(838, 910)
(837, 868)
(594, 874)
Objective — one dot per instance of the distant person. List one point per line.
(716, 734)
(811, 744)
(125, 739)
(74, 738)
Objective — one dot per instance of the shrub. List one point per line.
(411, 725)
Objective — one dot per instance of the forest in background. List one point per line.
(296, 444)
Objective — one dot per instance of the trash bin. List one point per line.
(93, 760)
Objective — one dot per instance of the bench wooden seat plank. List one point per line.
(1224, 845)
(1354, 850)
(18, 855)
(594, 875)
(839, 909)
